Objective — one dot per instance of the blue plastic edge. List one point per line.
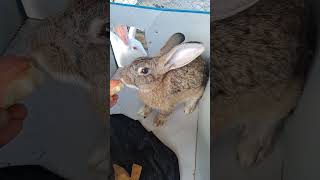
(160, 9)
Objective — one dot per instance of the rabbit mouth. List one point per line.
(129, 85)
(132, 86)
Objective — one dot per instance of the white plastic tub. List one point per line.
(187, 135)
(40, 9)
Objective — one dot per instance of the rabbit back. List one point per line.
(178, 85)
(257, 48)
(191, 76)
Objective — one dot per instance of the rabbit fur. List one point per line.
(72, 47)
(177, 75)
(257, 73)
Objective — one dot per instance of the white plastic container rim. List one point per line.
(162, 9)
(226, 8)
(41, 9)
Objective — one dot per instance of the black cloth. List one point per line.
(132, 143)
(28, 172)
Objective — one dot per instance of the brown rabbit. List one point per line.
(257, 60)
(72, 47)
(176, 75)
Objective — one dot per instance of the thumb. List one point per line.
(11, 122)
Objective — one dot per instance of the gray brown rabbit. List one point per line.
(177, 75)
(72, 48)
(257, 72)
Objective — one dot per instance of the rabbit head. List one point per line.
(146, 73)
(125, 47)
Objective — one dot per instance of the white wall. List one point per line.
(10, 20)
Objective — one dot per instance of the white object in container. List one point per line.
(41, 9)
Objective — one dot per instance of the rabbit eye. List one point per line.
(144, 71)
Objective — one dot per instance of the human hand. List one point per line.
(113, 100)
(115, 86)
(12, 68)
(13, 116)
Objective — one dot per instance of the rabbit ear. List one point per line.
(181, 55)
(173, 41)
(132, 32)
(122, 32)
(114, 38)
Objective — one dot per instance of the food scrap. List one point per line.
(122, 174)
(115, 87)
(136, 172)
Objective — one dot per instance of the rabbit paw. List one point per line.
(144, 111)
(159, 121)
(251, 151)
(190, 106)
